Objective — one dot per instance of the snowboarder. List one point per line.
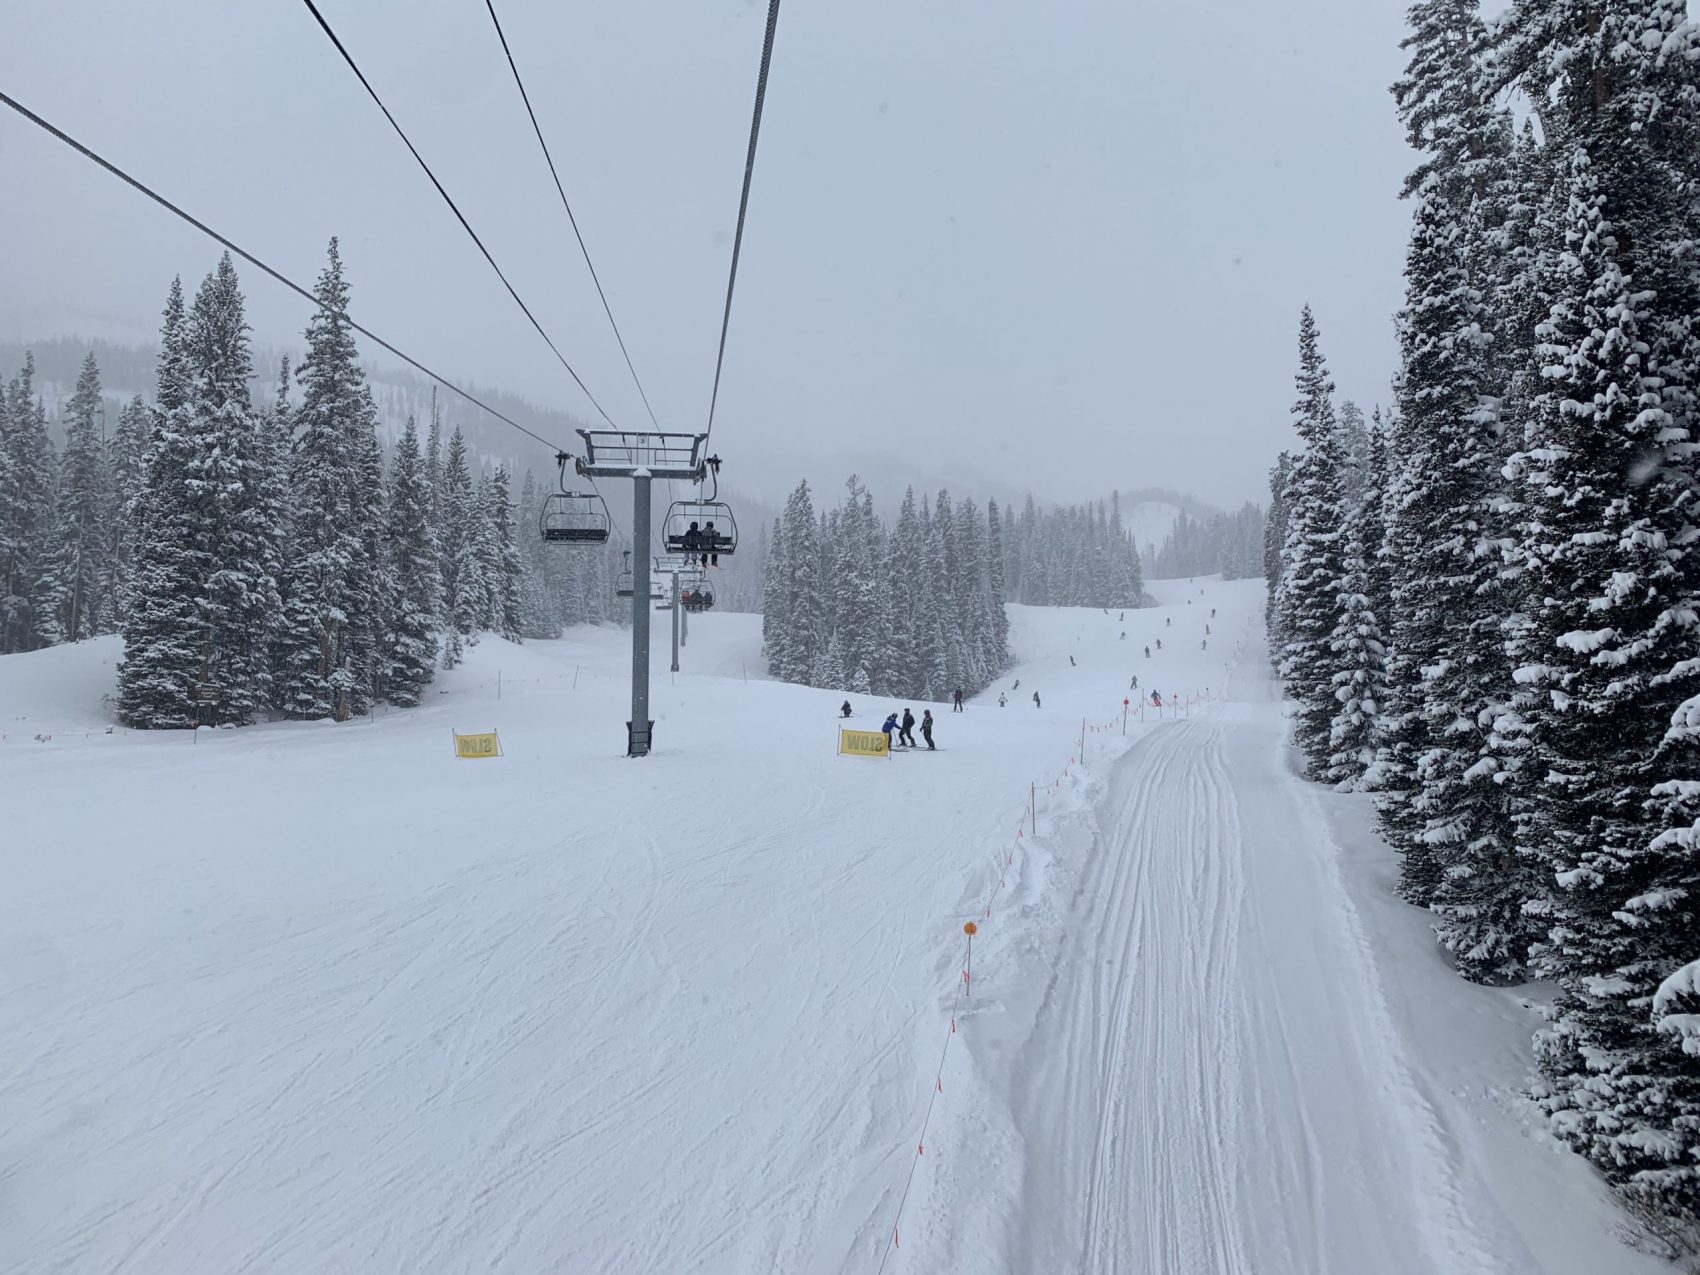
(889, 726)
(844, 709)
(1036, 699)
(956, 703)
(927, 729)
(907, 734)
(1001, 700)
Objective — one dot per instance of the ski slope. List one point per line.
(309, 997)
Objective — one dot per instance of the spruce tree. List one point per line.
(1359, 654)
(1314, 554)
(74, 571)
(232, 530)
(410, 547)
(128, 462)
(464, 596)
(162, 628)
(321, 633)
(27, 482)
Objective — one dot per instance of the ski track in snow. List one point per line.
(374, 1009)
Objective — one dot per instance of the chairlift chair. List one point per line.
(623, 580)
(698, 527)
(573, 517)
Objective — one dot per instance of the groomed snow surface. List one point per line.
(310, 997)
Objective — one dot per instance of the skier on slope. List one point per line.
(889, 726)
(956, 704)
(844, 709)
(927, 729)
(1036, 703)
(1001, 700)
(1148, 651)
(907, 734)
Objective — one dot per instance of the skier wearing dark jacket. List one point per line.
(907, 734)
(927, 728)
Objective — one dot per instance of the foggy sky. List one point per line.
(1065, 245)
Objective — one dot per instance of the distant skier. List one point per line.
(1212, 613)
(1124, 635)
(1001, 700)
(1071, 662)
(1156, 700)
(1168, 620)
(844, 709)
(1017, 685)
(956, 702)
(889, 726)
(1159, 644)
(1147, 652)
(1036, 703)
(1203, 643)
(1121, 617)
(1206, 630)
(907, 734)
(1133, 684)
(927, 729)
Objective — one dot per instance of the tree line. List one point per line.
(1499, 631)
(1229, 545)
(263, 559)
(914, 611)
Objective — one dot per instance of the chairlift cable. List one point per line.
(453, 207)
(254, 261)
(743, 205)
(572, 220)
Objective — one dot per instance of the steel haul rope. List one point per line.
(254, 261)
(453, 207)
(743, 204)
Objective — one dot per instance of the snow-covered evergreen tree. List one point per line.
(325, 619)
(74, 572)
(162, 628)
(1610, 644)
(1359, 654)
(464, 595)
(27, 481)
(410, 548)
(1314, 554)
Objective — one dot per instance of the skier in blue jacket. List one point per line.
(890, 725)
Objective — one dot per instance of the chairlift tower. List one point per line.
(642, 457)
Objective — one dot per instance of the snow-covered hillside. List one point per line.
(318, 997)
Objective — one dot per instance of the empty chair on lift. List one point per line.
(574, 518)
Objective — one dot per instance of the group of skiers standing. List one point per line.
(906, 729)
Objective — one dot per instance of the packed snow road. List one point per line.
(306, 998)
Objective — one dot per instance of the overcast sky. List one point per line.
(1064, 244)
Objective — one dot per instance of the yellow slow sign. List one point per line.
(482, 745)
(864, 743)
